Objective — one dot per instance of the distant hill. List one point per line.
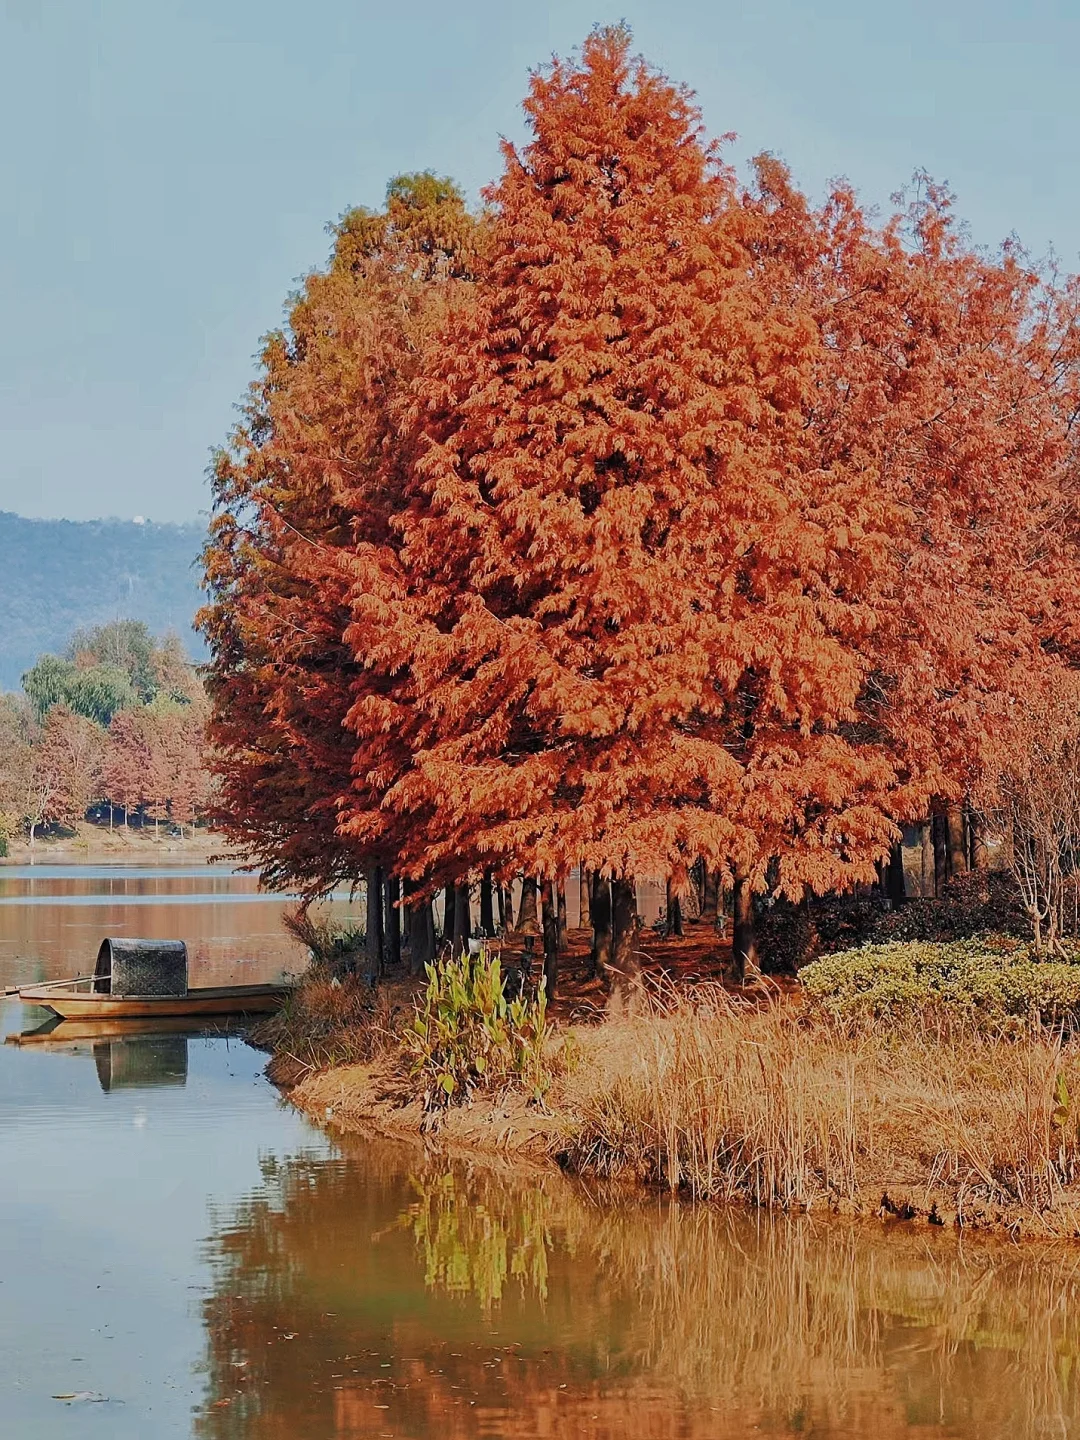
(56, 575)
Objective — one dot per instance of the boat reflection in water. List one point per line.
(142, 1062)
(127, 1055)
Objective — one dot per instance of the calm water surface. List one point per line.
(176, 1240)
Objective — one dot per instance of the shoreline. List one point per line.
(89, 844)
(368, 1100)
(754, 1097)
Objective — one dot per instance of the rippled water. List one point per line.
(176, 1240)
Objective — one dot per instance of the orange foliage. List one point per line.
(313, 470)
(698, 524)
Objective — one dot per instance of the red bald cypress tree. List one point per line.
(315, 468)
(952, 377)
(625, 614)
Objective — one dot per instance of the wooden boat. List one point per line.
(78, 1000)
(144, 980)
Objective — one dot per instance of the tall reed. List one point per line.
(779, 1108)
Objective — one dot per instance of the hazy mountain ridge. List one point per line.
(56, 575)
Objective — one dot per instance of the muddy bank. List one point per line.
(366, 1099)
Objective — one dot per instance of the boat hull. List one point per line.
(219, 1000)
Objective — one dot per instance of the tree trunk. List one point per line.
(462, 919)
(697, 878)
(710, 900)
(625, 964)
(894, 876)
(549, 912)
(501, 896)
(406, 913)
(585, 892)
(449, 898)
(560, 913)
(954, 833)
(743, 940)
(941, 851)
(527, 907)
(600, 913)
(926, 859)
(421, 938)
(373, 922)
(393, 922)
(674, 910)
(980, 854)
(487, 909)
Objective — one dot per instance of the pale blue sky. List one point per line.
(169, 166)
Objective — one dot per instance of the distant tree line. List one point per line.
(112, 730)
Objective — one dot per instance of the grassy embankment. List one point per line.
(928, 1082)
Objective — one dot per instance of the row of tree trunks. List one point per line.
(954, 843)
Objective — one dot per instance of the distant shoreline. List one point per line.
(96, 843)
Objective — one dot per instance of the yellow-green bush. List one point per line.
(971, 978)
(466, 1035)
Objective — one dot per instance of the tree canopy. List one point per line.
(649, 520)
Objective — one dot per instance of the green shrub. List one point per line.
(970, 978)
(467, 1036)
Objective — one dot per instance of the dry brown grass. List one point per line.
(327, 1021)
(333, 947)
(765, 1103)
(768, 1105)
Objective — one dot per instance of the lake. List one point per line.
(183, 1255)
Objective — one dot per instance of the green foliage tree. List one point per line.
(125, 645)
(47, 683)
(96, 692)
(100, 692)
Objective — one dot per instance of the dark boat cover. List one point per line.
(141, 967)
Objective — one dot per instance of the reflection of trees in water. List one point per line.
(473, 1248)
(466, 1301)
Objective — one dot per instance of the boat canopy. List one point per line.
(141, 967)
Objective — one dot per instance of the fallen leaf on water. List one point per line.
(91, 1397)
